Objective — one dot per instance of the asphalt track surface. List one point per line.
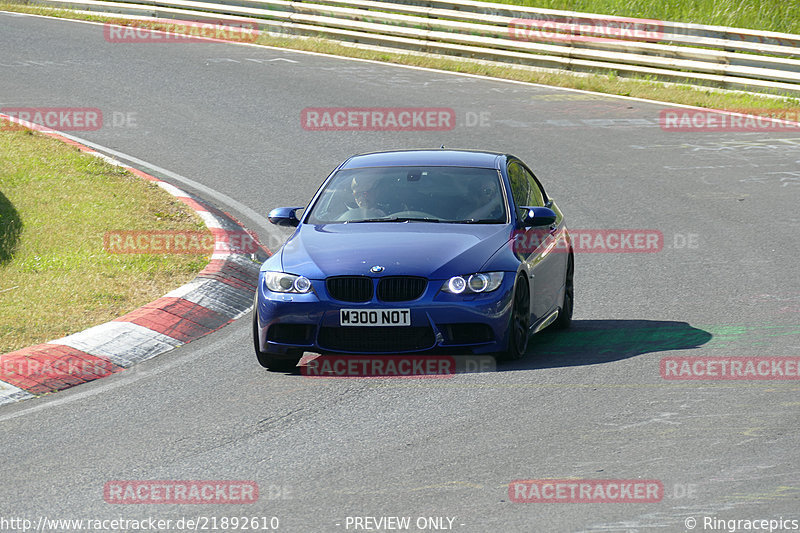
(589, 403)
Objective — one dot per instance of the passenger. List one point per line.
(484, 200)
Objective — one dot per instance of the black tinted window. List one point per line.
(520, 186)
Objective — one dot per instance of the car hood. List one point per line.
(434, 251)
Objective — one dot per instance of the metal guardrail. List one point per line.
(670, 51)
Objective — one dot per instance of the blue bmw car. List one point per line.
(409, 252)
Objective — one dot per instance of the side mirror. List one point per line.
(538, 216)
(284, 216)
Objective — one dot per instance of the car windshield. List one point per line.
(411, 194)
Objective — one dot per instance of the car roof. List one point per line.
(442, 157)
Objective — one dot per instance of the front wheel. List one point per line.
(273, 361)
(519, 323)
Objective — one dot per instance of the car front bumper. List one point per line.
(440, 322)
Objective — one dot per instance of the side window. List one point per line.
(535, 196)
(520, 185)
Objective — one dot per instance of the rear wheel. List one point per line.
(519, 323)
(564, 319)
(273, 361)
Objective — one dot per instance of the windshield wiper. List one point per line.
(476, 221)
(394, 219)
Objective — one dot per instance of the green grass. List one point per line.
(769, 15)
(56, 204)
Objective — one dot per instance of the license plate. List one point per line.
(374, 317)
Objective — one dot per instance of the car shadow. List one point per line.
(587, 342)
(10, 229)
(590, 342)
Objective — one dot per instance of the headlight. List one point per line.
(473, 283)
(283, 282)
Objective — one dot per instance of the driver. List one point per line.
(365, 193)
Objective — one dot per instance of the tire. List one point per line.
(273, 361)
(519, 322)
(564, 320)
